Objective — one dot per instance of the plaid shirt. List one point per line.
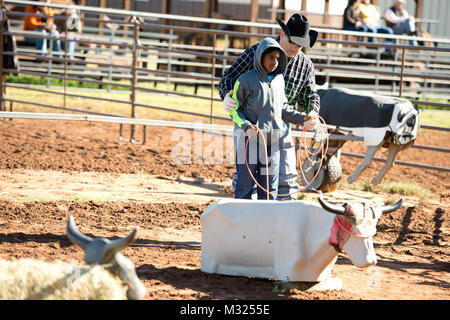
(299, 78)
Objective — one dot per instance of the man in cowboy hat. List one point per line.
(299, 77)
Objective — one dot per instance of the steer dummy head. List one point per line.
(353, 229)
(104, 251)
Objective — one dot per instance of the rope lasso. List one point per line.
(351, 229)
(323, 151)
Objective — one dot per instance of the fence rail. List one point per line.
(119, 55)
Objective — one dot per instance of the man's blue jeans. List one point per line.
(383, 30)
(405, 28)
(41, 43)
(70, 46)
(362, 28)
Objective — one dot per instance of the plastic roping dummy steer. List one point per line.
(381, 121)
(105, 252)
(295, 241)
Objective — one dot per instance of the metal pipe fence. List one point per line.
(126, 53)
(319, 66)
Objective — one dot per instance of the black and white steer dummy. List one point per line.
(380, 120)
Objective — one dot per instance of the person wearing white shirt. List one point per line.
(399, 20)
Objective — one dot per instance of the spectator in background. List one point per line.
(73, 27)
(352, 20)
(370, 17)
(400, 21)
(43, 26)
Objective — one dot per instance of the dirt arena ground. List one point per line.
(50, 170)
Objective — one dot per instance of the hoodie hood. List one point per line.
(264, 45)
(263, 103)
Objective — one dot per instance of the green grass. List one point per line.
(152, 99)
(84, 199)
(426, 107)
(34, 80)
(391, 187)
(203, 90)
(435, 118)
(307, 196)
(405, 188)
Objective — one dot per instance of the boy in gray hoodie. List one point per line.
(261, 104)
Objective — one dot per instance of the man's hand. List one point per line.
(251, 131)
(311, 121)
(228, 103)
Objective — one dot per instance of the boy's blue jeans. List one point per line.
(288, 186)
(244, 185)
(287, 181)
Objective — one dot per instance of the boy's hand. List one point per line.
(251, 131)
(229, 103)
(311, 121)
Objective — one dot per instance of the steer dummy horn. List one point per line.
(115, 246)
(392, 207)
(110, 247)
(333, 208)
(76, 236)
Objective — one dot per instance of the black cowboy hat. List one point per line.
(297, 29)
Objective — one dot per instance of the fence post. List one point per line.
(66, 45)
(110, 58)
(49, 36)
(401, 77)
(2, 93)
(425, 83)
(377, 81)
(327, 77)
(134, 75)
(225, 52)
(213, 73)
(169, 60)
